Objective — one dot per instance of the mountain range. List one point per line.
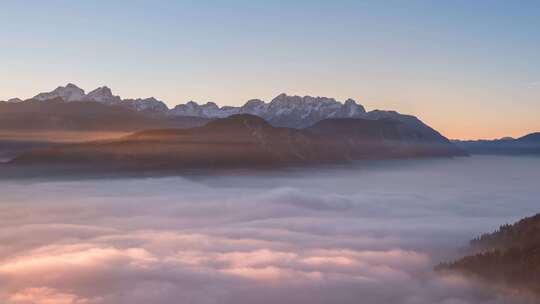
(58, 115)
(287, 130)
(526, 145)
(282, 111)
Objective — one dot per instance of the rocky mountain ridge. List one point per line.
(282, 111)
(525, 145)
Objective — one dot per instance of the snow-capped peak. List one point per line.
(147, 104)
(68, 93)
(351, 108)
(254, 106)
(103, 95)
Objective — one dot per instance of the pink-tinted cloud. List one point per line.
(328, 238)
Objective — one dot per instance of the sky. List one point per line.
(470, 69)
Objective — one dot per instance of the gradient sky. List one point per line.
(471, 69)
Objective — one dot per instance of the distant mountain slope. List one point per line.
(530, 138)
(528, 144)
(510, 256)
(245, 140)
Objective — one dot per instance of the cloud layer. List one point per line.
(369, 234)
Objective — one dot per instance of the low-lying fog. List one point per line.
(368, 233)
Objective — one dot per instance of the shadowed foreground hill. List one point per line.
(509, 256)
(246, 141)
(32, 124)
(383, 138)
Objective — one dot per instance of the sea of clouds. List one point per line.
(366, 233)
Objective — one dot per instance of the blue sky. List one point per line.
(469, 68)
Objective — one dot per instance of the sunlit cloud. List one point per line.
(83, 273)
(43, 295)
